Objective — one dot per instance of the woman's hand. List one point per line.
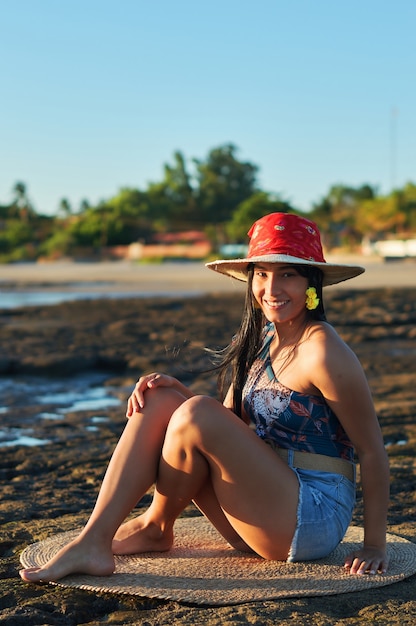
(367, 560)
(150, 381)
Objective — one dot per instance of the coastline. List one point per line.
(175, 277)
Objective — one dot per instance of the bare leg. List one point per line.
(132, 470)
(210, 453)
(175, 485)
(129, 540)
(207, 502)
(204, 443)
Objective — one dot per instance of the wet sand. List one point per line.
(170, 278)
(52, 488)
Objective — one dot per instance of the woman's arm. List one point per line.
(340, 378)
(375, 485)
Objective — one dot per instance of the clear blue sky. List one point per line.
(96, 95)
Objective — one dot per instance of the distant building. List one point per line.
(183, 245)
(233, 250)
(390, 249)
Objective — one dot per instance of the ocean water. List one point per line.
(11, 299)
(86, 392)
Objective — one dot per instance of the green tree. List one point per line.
(89, 229)
(59, 243)
(256, 206)
(181, 207)
(336, 214)
(64, 208)
(19, 191)
(128, 216)
(380, 216)
(223, 183)
(120, 220)
(84, 206)
(21, 201)
(16, 240)
(409, 208)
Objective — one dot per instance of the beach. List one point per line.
(176, 277)
(169, 315)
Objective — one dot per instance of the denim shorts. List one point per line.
(326, 503)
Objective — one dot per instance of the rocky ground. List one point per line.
(52, 488)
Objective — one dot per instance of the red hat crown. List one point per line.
(285, 233)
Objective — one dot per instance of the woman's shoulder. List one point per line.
(317, 332)
(321, 340)
(324, 345)
(321, 331)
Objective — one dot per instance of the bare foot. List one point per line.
(78, 557)
(138, 535)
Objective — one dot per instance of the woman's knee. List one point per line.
(196, 414)
(160, 404)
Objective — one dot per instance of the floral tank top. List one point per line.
(288, 418)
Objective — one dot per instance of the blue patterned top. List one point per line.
(291, 419)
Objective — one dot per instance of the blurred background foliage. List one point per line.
(219, 196)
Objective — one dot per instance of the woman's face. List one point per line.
(280, 291)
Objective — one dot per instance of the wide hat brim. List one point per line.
(332, 273)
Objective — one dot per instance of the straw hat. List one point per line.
(202, 568)
(290, 239)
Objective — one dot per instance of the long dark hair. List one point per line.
(239, 355)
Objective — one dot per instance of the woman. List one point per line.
(273, 466)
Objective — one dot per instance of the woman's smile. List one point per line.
(275, 304)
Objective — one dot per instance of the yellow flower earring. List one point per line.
(312, 299)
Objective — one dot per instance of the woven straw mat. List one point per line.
(202, 568)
